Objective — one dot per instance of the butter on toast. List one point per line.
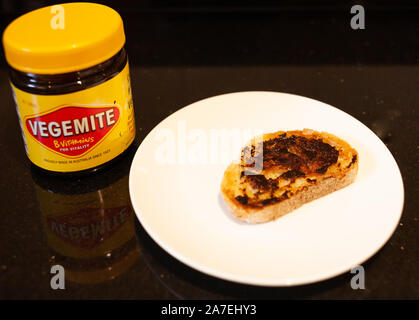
(298, 167)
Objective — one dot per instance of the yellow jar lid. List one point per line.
(63, 38)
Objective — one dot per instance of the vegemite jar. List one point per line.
(70, 81)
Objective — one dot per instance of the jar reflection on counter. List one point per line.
(89, 223)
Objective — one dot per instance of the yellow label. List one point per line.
(79, 130)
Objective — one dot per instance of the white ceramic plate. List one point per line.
(175, 191)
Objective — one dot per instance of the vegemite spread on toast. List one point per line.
(291, 157)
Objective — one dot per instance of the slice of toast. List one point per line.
(298, 166)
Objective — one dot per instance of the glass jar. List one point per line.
(70, 80)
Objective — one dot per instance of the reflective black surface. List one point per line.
(88, 225)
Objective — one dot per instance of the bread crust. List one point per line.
(333, 179)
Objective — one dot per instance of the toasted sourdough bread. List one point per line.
(298, 166)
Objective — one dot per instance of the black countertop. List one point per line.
(176, 59)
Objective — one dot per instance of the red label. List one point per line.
(89, 227)
(72, 131)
